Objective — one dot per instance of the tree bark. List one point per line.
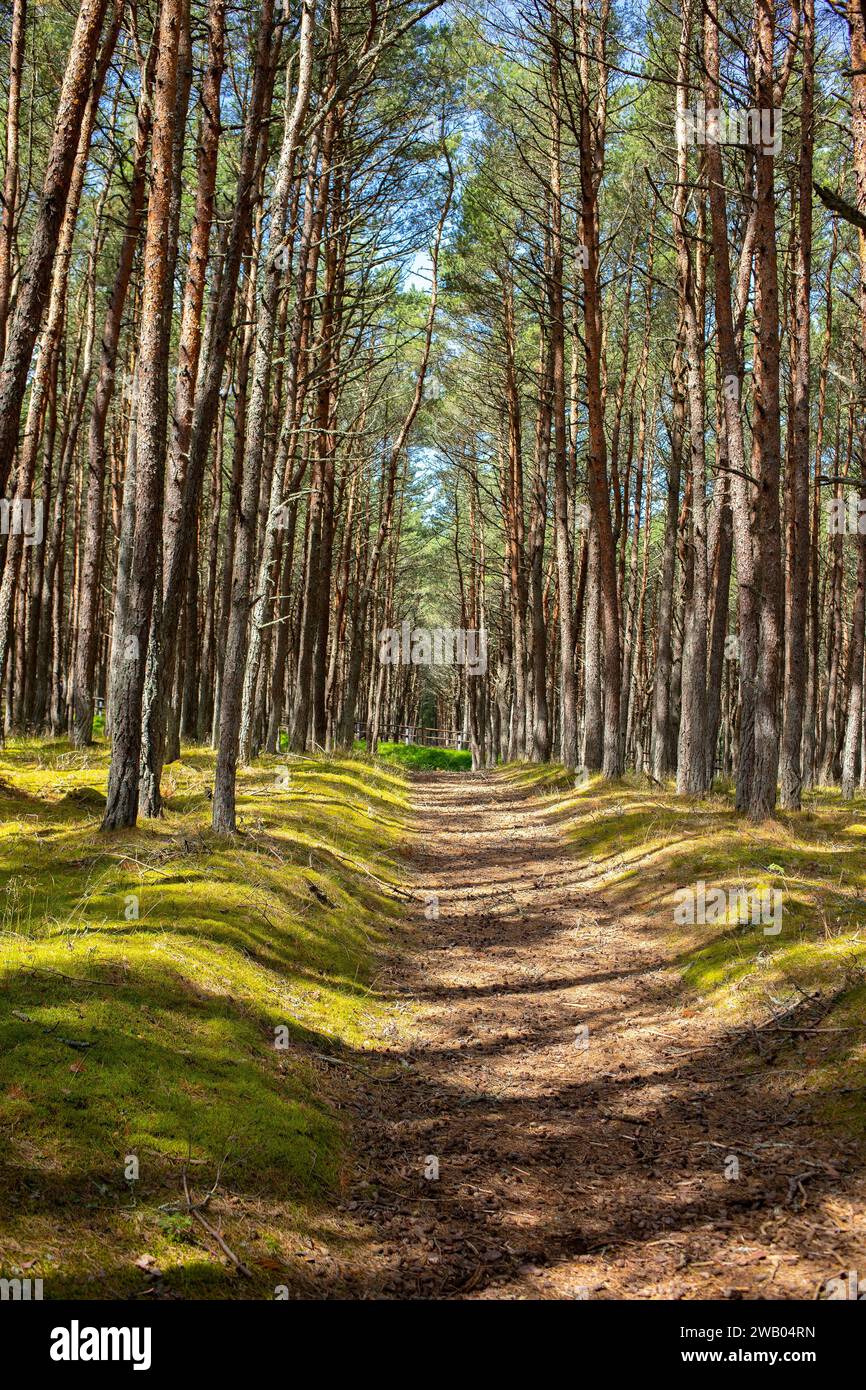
(797, 457)
(35, 281)
(152, 384)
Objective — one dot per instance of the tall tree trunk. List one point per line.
(266, 326)
(197, 425)
(732, 376)
(35, 280)
(692, 753)
(562, 538)
(766, 437)
(152, 386)
(44, 385)
(89, 573)
(537, 525)
(10, 174)
(591, 141)
(797, 456)
(853, 724)
(663, 747)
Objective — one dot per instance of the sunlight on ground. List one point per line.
(637, 845)
(143, 977)
(419, 758)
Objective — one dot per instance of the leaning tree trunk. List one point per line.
(44, 385)
(35, 280)
(10, 176)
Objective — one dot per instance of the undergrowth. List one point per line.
(637, 844)
(422, 759)
(166, 1000)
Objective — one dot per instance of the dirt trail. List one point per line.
(567, 1171)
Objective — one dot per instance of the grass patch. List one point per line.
(417, 758)
(638, 845)
(148, 982)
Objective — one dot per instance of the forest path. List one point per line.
(564, 1171)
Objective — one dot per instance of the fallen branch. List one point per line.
(342, 1062)
(194, 1210)
(76, 979)
(70, 1042)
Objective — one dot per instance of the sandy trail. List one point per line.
(572, 1170)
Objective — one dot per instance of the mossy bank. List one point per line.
(168, 1001)
(793, 994)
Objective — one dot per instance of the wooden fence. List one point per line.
(423, 734)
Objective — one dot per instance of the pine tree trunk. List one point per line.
(797, 547)
(35, 279)
(123, 778)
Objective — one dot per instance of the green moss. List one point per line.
(423, 759)
(143, 978)
(638, 844)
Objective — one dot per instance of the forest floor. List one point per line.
(604, 1171)
(168, 1000)
(379, 976)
